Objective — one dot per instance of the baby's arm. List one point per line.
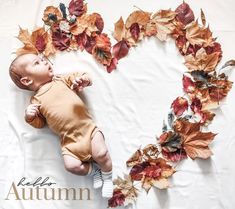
(77, 81)
(80, 82)
(34, 117)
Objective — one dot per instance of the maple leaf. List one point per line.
(202, 61)
(85, 23)
(164, 23)
(117, 199)
(120, 49)
(35, 43)
(148, 153)
(197, 35)
(102, 49)
(171, 144)
(195, 143)
(51, 15)
(140, 17)
(154, 173)
(127, 188)
(77, 8)
(184, 13)
(179, 105)
(119, 30)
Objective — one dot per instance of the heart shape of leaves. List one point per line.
(203, 86)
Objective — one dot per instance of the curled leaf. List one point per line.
(120, 49)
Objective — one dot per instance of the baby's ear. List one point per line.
(26, 81)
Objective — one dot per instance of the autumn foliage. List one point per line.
(203, 85)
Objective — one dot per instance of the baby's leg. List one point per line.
(101, 156)
(76, 166)
(100, 152)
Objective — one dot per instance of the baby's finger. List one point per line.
(78, 80)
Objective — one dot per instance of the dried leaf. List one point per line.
(140, 17)
(112, 65)
(60, 40)
(228, 63)
(120, 49)
(117, 199)
(188, 84)
(179, 105)
(195, 142)
(102, 49)
(203, 18)
(197, 35)
(51, 15)
(135, 31)
(77, 8)
(184, 13)
(135, 159)
(164, 23)
(119, 31)
(202, 61)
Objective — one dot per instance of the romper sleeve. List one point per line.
(69, 78)
(39, 121)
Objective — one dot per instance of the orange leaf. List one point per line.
(195, 142)
(119, 31)
(140, 17)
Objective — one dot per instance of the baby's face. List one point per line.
(37, 68)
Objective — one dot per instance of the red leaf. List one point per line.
(152, 171)
(99, 23)
(188, 84)
(175, 156)
(136, 172)
(179, 105)
(185, 14)
(40, 44)
(112, 65)
(90, 43)
(135, 31)
(196, 105)
(81, 40)
(76, 8)
(60, 40)
(117, 199)
(120, 49)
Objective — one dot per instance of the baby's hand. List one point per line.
(80, 82)
(32, 111)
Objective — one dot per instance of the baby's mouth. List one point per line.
(50, 69)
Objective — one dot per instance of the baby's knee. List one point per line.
(102, 154)
(75, 168)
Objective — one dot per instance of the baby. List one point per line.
(56, 103)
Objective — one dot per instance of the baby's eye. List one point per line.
(36, 63)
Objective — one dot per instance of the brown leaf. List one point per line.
(102, 49)
(140, 17)
(113, 65)
(135, 159)
(188, 84)
(85, 23)
(51, 15)
(164, 23)
(202, 61)
(197, 35)
(228, 63)
(203, 18)
(195, 142)
(119, 31)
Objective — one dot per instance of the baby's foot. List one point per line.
(107, 189)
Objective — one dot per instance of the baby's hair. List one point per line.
(15, 76)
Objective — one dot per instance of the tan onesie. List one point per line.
(66, 114)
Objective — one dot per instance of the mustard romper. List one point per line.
(66, 115)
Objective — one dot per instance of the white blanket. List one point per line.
(129, 105)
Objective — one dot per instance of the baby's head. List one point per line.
(29, 71)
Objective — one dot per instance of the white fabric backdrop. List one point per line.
(128, 105)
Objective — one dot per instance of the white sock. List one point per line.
(95, 172)
(107, 189)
